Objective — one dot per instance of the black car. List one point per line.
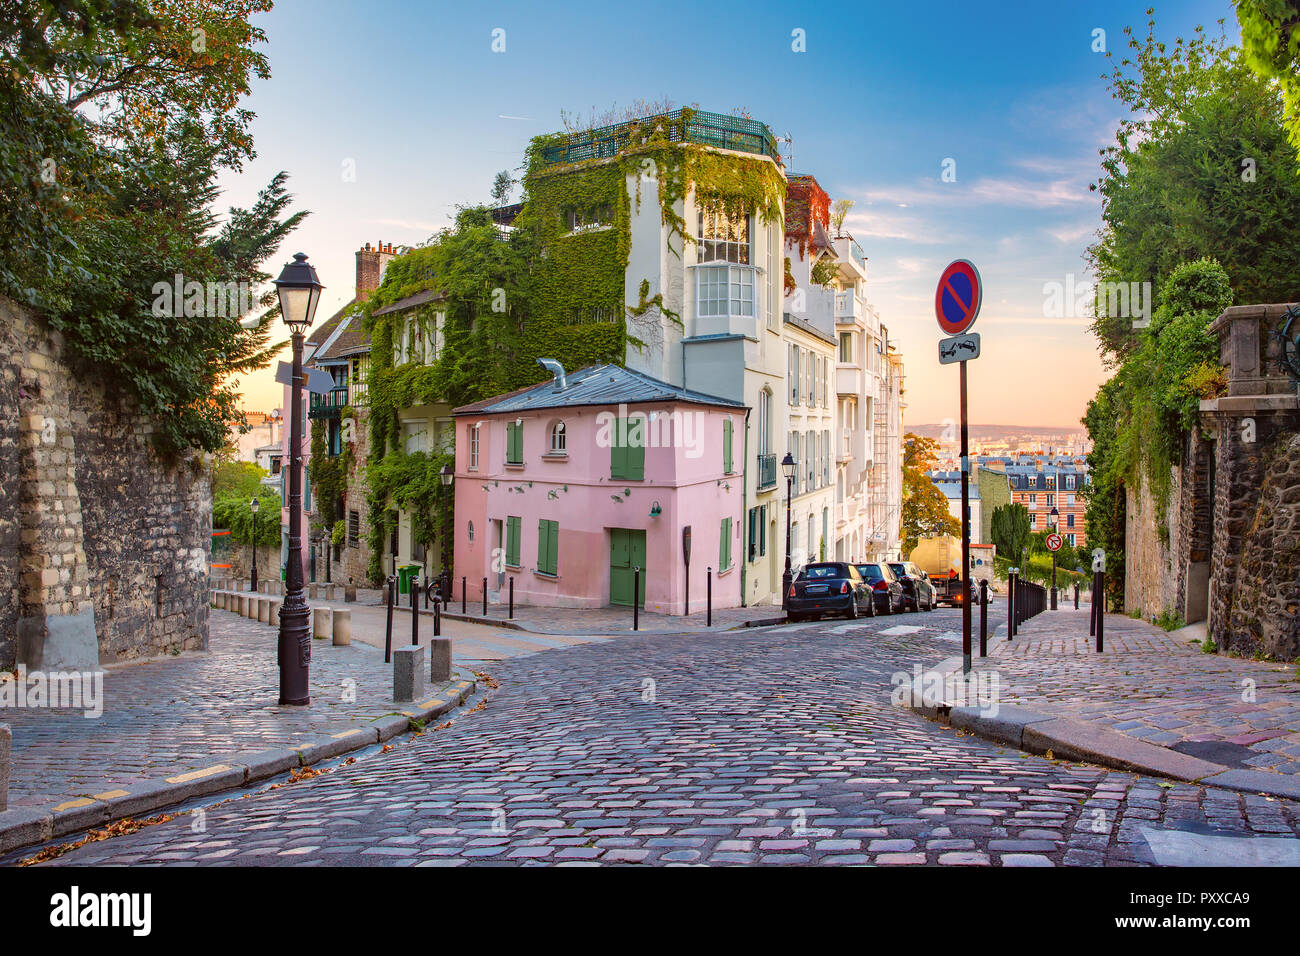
(886, 589)
(828, 587)
(917, 589)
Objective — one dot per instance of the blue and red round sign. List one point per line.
(957, 299)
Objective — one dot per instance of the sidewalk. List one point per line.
(1211, 712)
(182, 727)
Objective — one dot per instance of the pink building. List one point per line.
(568, 486)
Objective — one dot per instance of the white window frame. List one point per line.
(557, 431)
(724, 290)
(473, 447)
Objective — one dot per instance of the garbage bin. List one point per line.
(405, 575)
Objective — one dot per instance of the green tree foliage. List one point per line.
(237, 479)
(234, 514)
(1201, 168)
(925, 507)
(1270, 38)
(115, 120)
(1104, 498)
(1011, 532)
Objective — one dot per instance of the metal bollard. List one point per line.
(388, 629)
(485, 597)
(1076, 595)
(1092, 608)
(437, 617)
(708, 597)
(512, 597)
(462, 595)
(636, 595)
(1011, 606)
(984, 617)
(1101, 611)
(415, 611)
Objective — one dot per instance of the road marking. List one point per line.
(198, 774)
(73, 804)
(346, 733)
(109, 795)
(902, 629)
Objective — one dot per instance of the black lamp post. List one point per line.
(447, 475)
(1053, 517)
(299, 291)
(252, 506)
(788, 467)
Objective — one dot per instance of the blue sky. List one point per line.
(412, 95)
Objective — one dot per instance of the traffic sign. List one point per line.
(959, 348)
(1054, 542)
(957, 297)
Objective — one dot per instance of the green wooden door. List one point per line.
(626, 551)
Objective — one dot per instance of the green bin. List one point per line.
(405, 575)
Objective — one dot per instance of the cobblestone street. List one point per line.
(767, 746)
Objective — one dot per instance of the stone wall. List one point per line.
(103, 545)
(354, 562)
(1150, 572)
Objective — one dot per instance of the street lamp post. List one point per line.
(252, 506)
(787, 468)
(447, 475)
(1053, 517)
(299, 292)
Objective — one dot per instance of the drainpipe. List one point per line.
(744, 514)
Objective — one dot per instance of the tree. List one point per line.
(1270, 37)
(1011, 532)
(241, 480)
(1200, 168)
(925, 508)
(502, 186)
(115, 120)
(839, 212)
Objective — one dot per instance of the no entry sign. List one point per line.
(1054, 542)
(957, 298)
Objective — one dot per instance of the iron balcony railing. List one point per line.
(329, 405)
(708, 129)
(766, 472)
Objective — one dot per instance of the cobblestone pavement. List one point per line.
(616, 620)
(1154, 686)
(768, 746)
(177, 714)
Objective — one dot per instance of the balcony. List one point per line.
(329, 405)
(699, 126)
(848, 380)
(848, 308)
(766, 472)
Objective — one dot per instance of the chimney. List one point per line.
(370, 268)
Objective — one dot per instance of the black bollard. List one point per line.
(512, 597)
(462, 595)
(708, 598)
(1011, 605)
(1076, 595)
(437, 618)
(428, 588)
(485, 597)
(1092, 609)
(1101, 611)
(636, 594)
(984, 618)
(415, 612)
(388, 630)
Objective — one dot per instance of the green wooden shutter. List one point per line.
(726, 446)
(512, 540)
(514, 443)
(626, 461)
(553, 548)
(636, 457)
(724, 546)
(618, 452)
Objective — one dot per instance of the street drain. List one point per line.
(1216, 751)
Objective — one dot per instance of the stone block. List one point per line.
(342, 626)
(408, 672)
(329, 592)
(320, 623)
(250, 607)
(6, 754)
(311, 590)
(440, 659)
(274, 614)
(264, 610)
(349, 592)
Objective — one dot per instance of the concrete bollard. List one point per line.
(273, 616)
(311, 590)
(221, 600)
(440, 659)
(250, 607)
(264, 610)
(349, 592)
(342, 627)
(408, 672)
(238, 606)
(329, 592)
(320, 622)
(6, 751)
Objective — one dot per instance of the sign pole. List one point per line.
(965, 533)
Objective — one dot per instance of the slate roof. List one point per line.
(952, 489)
(593, 385)
(411, 301)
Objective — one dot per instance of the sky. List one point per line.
(959, 130)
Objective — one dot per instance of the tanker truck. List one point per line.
(940, 559)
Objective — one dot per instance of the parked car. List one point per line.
(886, 589)
(829, 587)
(917, 589)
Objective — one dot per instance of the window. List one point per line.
(757, 532)
(723, 238)
(725, 290)
(1071, 538)
(846, 347)
(557, 439)
(826, 457)
(809, 377)
(354, 529)
(764, 422)
(1033, 499)
(514, 443)
(1033, 481)
(1033, 519)
(580, 220)
(473, 447)
(727, 428)
(512, 541)
(548, 546)
(627, 453)
(1069, 482)
(1051, 500)
(810, 463)
(1069, 521)
(724, 546)
(793, 372)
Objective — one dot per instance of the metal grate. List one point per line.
(708, 129)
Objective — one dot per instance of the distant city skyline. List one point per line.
(949, 146)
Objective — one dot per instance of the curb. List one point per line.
(26, 826)
(1079, 741)
(516, 626)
